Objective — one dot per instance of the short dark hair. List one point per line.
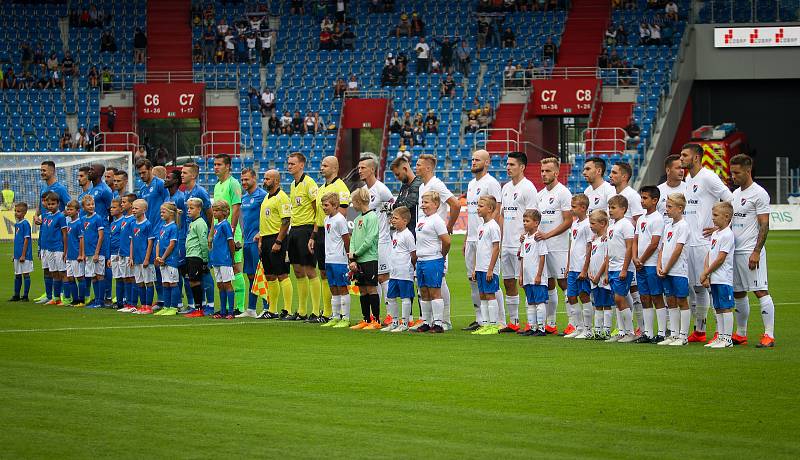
(299, 156)
(651, 190)
(671, 159)
(619, 201)
(599, 162)
(52, 196)
(84, 169)
(249, 171)
(112, 169)
(144, 162)
(100, 167)
(696, 148)
(520, 157)
(121, 172)
(21, 204)
(626, 168)
(224, 157)
(742, 160)
(131, 197)
(49, 163)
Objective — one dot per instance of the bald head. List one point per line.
(480, 163)
(329, 168)
(272, 180)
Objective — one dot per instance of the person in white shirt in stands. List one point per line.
(380, 201)
(518, 195)
(620, 177)
(598, 191)
(423, 55)
(352, 85)
(673, 184)
(482, 184)
(555, 205)
(703, 190)
(718, 274)
(750, 228)
(448, 211)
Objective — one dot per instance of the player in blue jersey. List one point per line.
(23, 253)
(220, 258)
(74, 286)
(114, 263)
(167, 258)
(142, 253)
(176, 195)
(251, 214)
(54, 228)
(189, 173)
(47, 171)
(130, 289)
(94, 236)
(102, 195)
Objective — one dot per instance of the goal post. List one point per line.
(20, 173)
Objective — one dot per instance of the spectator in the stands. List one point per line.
(111, 117)
(267, 102)
(273, 126)
(655, 4)
(80, 138)
(42, 76)
(327, 24)
(286, 123)
(602, 60)
(550, 50)
(495, 25)
(310, 122)
(140, 154)
(407, 134)
(671, 9)
(341, 7)
(56, 79)
(632, 132)
(52, 62)
(66, 140)
(255, 22)
(655, 34)
(436, 66)
(25, 81)
(230, 46)
(209, 44)
(26, 56)
(297, 123)
(472, 124)
(68, 65)
(325, 40)
(614, 60)
(90, 141)
(630, 4)
(404, 26)
(298, 7)
(419, 133)
(336, 38)
(423, 55)
(348, 39)
(241, 49)
(611, 35)
(446, 49)
(483, 31)
(254, 99)
(389, 75)
(616, 4)
(463, 54)
(352, 85)
(396, 124)
(161, 157)
(139, 46)
(106, 77)
(197, 54)
(644, 33)
(96, 16)
(417, 25)
(266, 47)
(508, 38)
(219, 54)
(485, 117)
(622, 35)
(222, 28)
(339, 88)
(38, 54)
(107, 42)
(94, 77)
(252, 52)
(448, 87)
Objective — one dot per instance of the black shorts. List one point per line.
(274, 263)
(298, 246)
(319, 249)
(367, 273)
(195, 268)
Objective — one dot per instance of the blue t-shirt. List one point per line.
(155, 194)
(74, 235)
(50, 235)
(220, 255)
(102, 199)
(202, 194)
(63, 195)
(168, 232)
(92, 225)
(22, 230)
(125, 233)
(115, 233)
(251, 214)
(142, 232)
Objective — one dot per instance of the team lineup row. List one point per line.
(397, 240)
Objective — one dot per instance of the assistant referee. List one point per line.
(276, 212)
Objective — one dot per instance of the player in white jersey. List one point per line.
(673, 184)
(620, 177)
(750, 228)
(519, 195)
(555, 205)
(579, 287)
(598, 191)
(482, 184)
(649, 230)
(448, 211)
(703, 190)
(380, 201)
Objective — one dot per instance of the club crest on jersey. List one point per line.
(113, 228)
(480, 234)
(136, 231)
(297, 200)
(643, 225)
(420, 225)
(161, 233)
(360, 223)
(594, 248)
(611, 233)
(574, 233)
(694, 188)
(527, 248)
(713, 243)
(394, 243)
(597, 200)
(478, 191)
(515, 195)
(266, 212)
(669, 236)
(743, 201)
(86, 225)
(552, 199)
(327, 227)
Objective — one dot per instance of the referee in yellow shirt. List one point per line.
(276, 212)
(333, 184)
(303, 197)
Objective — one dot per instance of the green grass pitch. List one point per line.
(78, 383)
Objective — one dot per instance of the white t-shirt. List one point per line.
(722, 241)
(529, 252)
(424, 52)
(403, 244)
(435, 185)
(251, 43)
(648, 226)
(747, 205)
(268, 97)
(380, 201)
(665, 190)
(487, 185)
(488, 234)
(702, 192)
(674, 234)
(580, 235)
(335, 227)
(634, 203)
(598, 197)
(429, 229)
(618, 234)
(266, 42)
(517, 198)
(551, 204)
(597, 258)
(352, 84)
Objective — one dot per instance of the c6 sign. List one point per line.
(169, 100)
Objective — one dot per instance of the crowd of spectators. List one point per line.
(296, 124)
(82, 140)
(248, 40)
(335, 35)
(412, 130)
(509, 6)
(90, 17)
(479, 116)
(38, 71)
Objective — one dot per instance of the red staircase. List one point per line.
(582, 40)
(507, 116)
(221, 131)
(608, 140)
(169, 39)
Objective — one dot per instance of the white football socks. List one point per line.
(438, 311)
(727, 326)
(661, 318)
(501, 307)
(588, 313)
(768, 315)
(445, 302)
(627, 321)
(701, 310)
(383, 289)
(427, 311)
(391, 310)
(686, 318)
(336, 306)
(406, 310)
(648, 314)
(541, 316)
(512, 302)
(552, 304)
(484, 313)
(476, 301)
(675, 321)
(493, 309)
(637, 307)
(344, 302)
(607, 315)
(742, 315)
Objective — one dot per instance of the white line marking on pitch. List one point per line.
(143, 326)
